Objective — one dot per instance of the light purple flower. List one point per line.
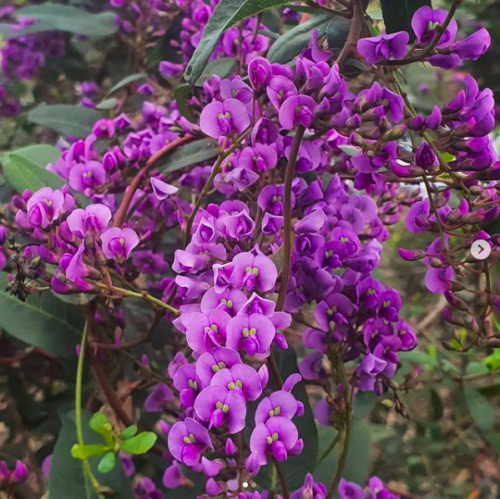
(297, 110)
(207, 331)
(253, 333)
(187, 440)
(162, 190)
(119, 243)
(224, 118)
(44, 207)
(276, 437)
(384, 47)
(94, 218)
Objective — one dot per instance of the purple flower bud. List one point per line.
(474, 46)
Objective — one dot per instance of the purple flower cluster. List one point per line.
(12, 477)
(435, 38)
(375, 490)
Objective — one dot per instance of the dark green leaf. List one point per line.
(126, 81)
(479, 408)
(191, 154)
(226, 14)
(128, 432)
(25, 168)
(87, 451)
(222, 68)
(66, 477)
(295, 468)
(107, 104)
(181, 96)
(74, 121)
(293, 41)
(107, 463)
(398, 13)
(139, 444)
(358, 463)
(44, 322)
(53, 17)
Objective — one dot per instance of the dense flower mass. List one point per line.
(265, 241)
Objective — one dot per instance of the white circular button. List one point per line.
(480, 249)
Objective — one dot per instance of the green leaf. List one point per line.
(128, 432)
(25, 168)
(293, 41)
(66, 478)
(107, 104)
(226, 14)
(139, 444)
(358, 463)
(66, 18)
(75, 121)
(44, 322)
(397, 14)
(100, 425)
(492, 362)
(107, 463)
(479, 408)
(181, 95)
(87, 451)
(191, 154)
(295, 468)
(222, 68)
(126, 81)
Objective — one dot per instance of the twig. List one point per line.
(121, 213)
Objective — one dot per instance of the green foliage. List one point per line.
(226, 14)
(126, 81)
(293, 41)
(479, 407)
(140, 444)
(190, 154)
(44, 322)
(66, 478)
(25, 168)
(75, 121)
(52, 17)
(128, 442)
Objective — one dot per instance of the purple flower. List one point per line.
(384, 47)
(119, 243)
(173, 478)
(276, 437)
(207, 331)
(310, 490)
(474, 46)
(159, 396)
(241, 378)
(84, 177)
(224, 118)
(162, 190)
(104, 129)
(259, 72)
(44, 207)
(439, 280)
(279, 89)
(187, 382)
(210, 363)
(424, 24)
(253, 333)
(170, 70)
(259, 158)
(253, 272)
(187, 440)
(94, 218)
(297, 110)
(218, 405)
(350, 490)
(280, 403)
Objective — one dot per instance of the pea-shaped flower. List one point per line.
(224, 118)
(187, 440)
(252, 333)
(118, 243)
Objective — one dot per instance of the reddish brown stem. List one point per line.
(121, 214)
